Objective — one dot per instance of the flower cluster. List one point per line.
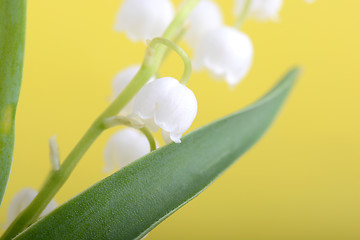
(224, 51)
(164, 103)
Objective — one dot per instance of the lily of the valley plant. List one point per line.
(151, 181)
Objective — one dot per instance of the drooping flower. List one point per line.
(205, 17)
(142, 20)
(124, 147)
(168, 104)
(260, 9)
(21, 200)
(225, 53)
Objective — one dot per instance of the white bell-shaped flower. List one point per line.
(205, 17)
(225, 53)
(124, 147)
(169, 104)
(260, 9)
(21, 200)
(143, 20)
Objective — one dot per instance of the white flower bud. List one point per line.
(205, 17)
(169, 104)
(124, 147)
(225, 53)
(260, 9)
(121, 80)
(21, 200)
(143, 20)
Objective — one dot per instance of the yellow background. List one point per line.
(301, 181)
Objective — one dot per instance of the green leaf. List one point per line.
(131, 202)
(12, 41)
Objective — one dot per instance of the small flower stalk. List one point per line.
(54, 153)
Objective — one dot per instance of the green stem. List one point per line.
(122, 120)
(180, 34)
(176, 39)
(171, 45)
(57, 178)
(240, 19)
(149, 137)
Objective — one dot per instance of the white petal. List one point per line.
(225, 53)
(21, 200)
(261, 9)
(170, 104)
(175, 137)
(143, 20)
(205, 17)
(176, 109)
(124, 147)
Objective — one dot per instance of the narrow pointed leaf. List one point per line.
(131, 202)
(12, 40)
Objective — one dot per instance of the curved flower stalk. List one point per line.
(169, 104)
(142, 20)
(124, 147)
(225, 53)
(21, 200)
(262, 10)
(205, 17)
